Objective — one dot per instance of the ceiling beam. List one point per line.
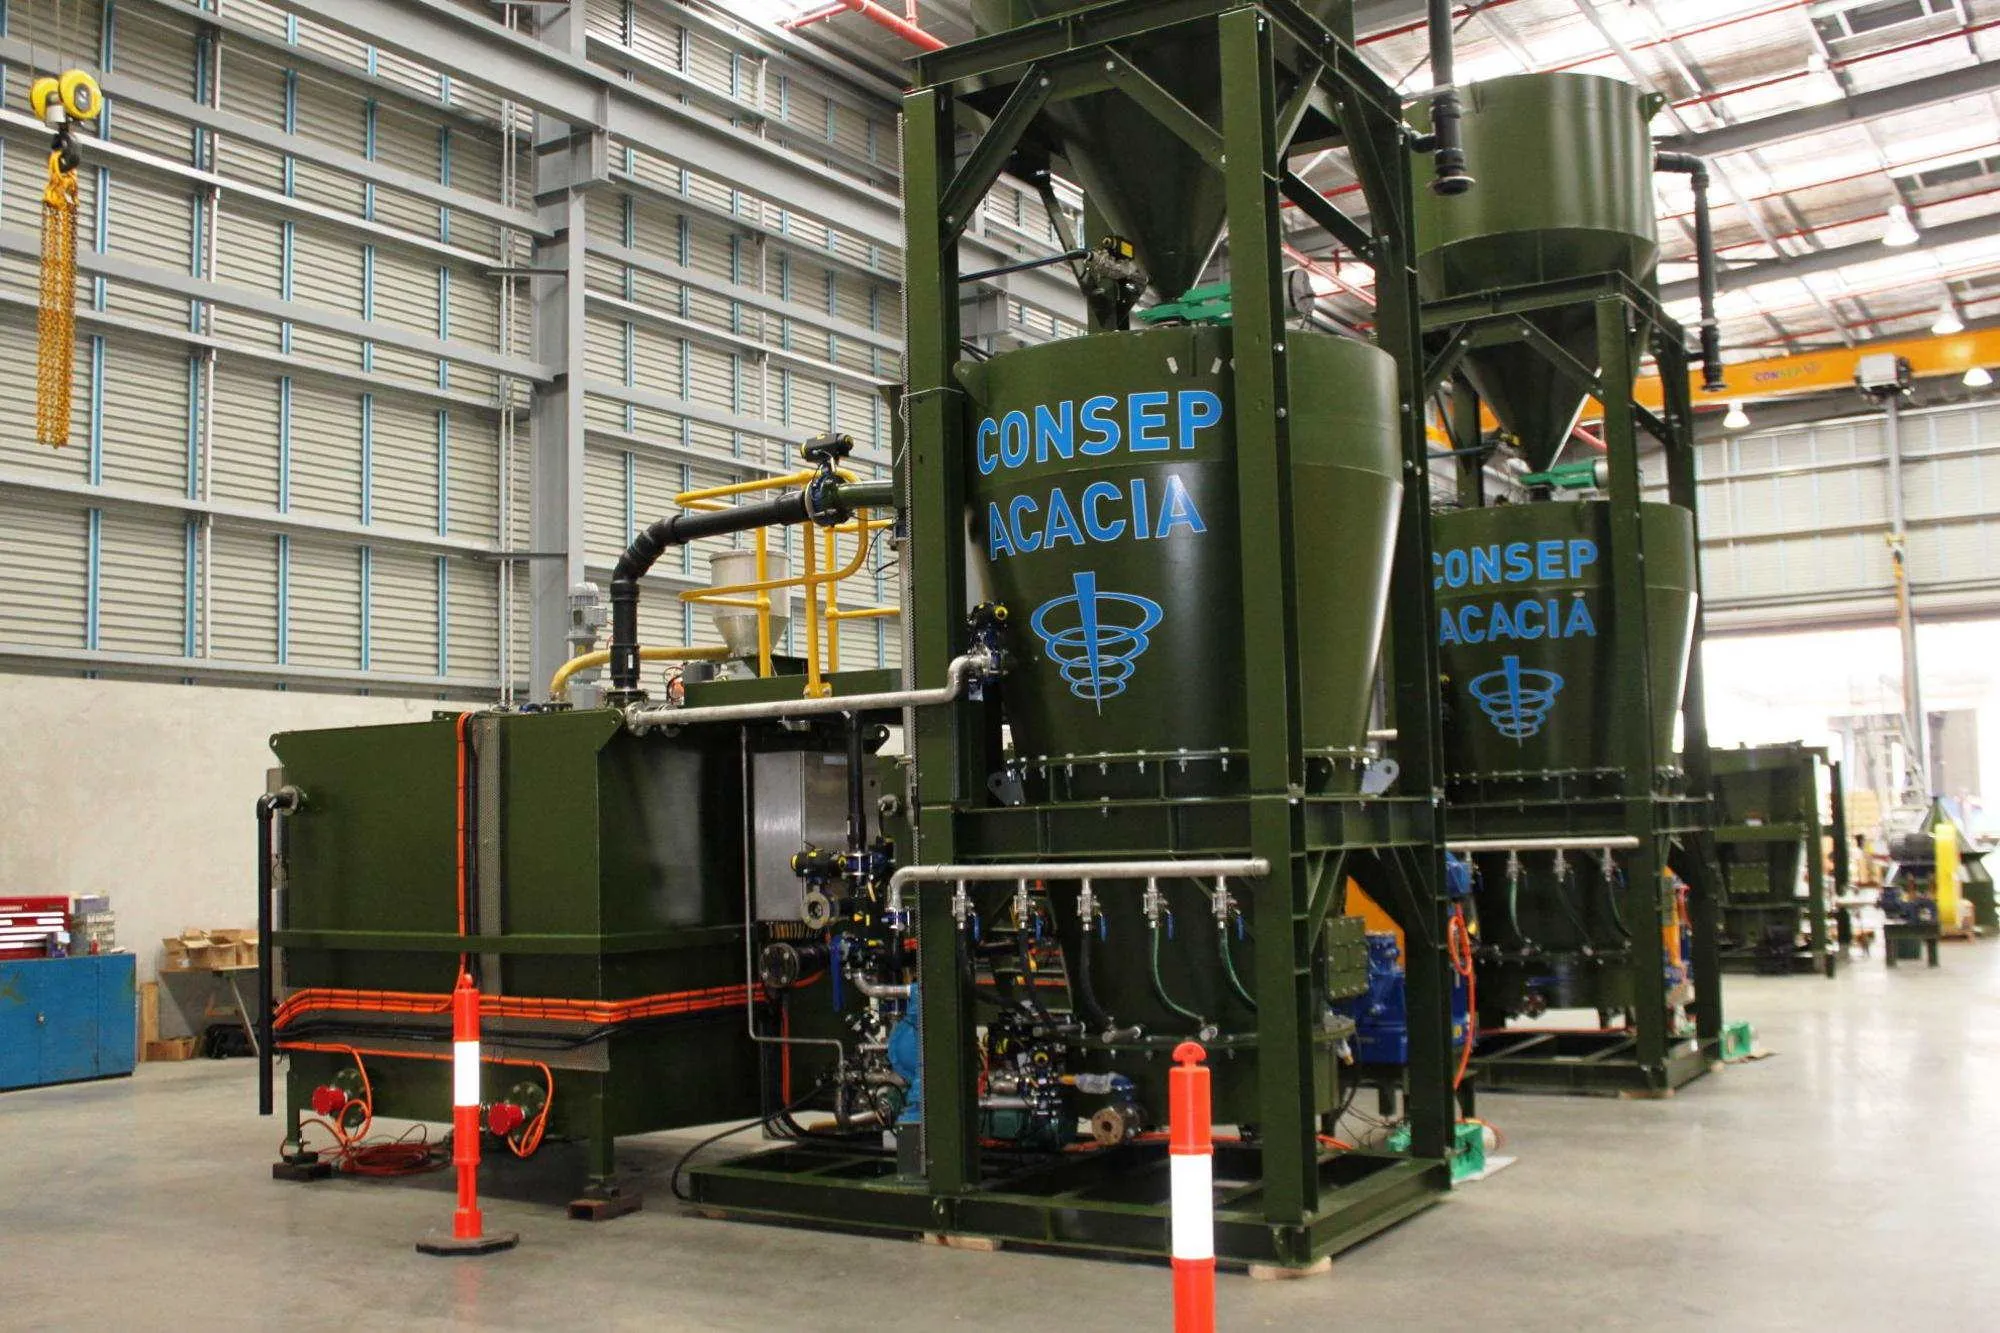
(586, 95)
(1912, 96)
(1840, 256)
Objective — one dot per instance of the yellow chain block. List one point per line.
(56, 320)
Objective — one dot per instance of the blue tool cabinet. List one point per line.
(63, 1019)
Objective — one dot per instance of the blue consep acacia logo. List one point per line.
(1096, 637)
(1516, 699)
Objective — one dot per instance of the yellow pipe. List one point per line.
(867, 612)
(814, 689)
(763, 604)
(559, 683)
(832, 600)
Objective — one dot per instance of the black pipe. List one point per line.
(268, 806)
(1448, 150)
(650, 545)
(1696, 170)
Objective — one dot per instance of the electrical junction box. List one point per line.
(1882, 373)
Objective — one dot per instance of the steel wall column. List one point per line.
(931, 476)
(1816, 885)
(556, 418)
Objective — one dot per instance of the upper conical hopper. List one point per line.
(1150, 186)
(1565, 189)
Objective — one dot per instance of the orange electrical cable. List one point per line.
(537, 1125)
(317, 999)
(1459, 941)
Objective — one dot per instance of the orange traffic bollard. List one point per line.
(466, 1224)
(1191, 1159)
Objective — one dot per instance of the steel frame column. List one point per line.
(1704, 877)
(1410, 634)
(932, 478)
(555, 415)
(1252, 160)
(1630, 642)
(1816, 887)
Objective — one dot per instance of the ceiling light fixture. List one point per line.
(1737, 418)
(1900, 231)
(1947, 322)
(1978, 377)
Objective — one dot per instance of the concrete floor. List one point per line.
(1849, 1179)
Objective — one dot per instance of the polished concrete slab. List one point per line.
(1850, 1180)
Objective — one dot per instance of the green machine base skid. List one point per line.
(1112, 1203)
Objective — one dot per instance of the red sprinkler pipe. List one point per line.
(895, 23)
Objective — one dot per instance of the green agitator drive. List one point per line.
(1569, 624)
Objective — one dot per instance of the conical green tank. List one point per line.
(1565, 163)
(1525, 634)
(1103, 495)
(1150, 186)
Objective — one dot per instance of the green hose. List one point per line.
(1229, 969)
(1160, 987)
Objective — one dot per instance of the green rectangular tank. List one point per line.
(602, 866)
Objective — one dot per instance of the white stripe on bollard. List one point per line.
(1192, 1179)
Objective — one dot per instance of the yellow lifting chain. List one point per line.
(59, 104)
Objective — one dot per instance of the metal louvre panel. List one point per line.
(402, 612)
(405, 295)
(249, 253)
(403, 482)
(324, 596)
(244, 457)
(606, 533)
(19, 450)
(656, 368)
(142, 582)
(472, 442)
(474, 623)
(326, 451)
(243, 581)
(145, 395)
(410, 144)
(710, 63)
(604, 349)
(46, 553)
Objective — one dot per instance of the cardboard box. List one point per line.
(168, 1049)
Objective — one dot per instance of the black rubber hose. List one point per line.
(1696, 170)
(1448, 151)
(651, 544)
(1086, 995)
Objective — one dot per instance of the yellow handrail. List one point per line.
(559, 683)
(810, 580)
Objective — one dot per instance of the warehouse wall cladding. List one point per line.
(1072, 630)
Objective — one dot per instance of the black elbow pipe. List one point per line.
(653, 542)
(1696, 171)
(1448, 150)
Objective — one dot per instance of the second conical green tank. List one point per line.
(1565, 167)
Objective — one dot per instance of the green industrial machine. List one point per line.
(1197, 530)
(1568, 626)
(1768, 835)
(1151, 577)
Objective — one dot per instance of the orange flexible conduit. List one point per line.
(317, 999)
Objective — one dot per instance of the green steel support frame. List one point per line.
(1767, 830)
(1298, 1203)
(1668, 815)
